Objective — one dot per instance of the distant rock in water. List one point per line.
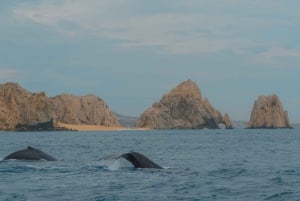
(182, 108)
(21, 109)
(268, 112)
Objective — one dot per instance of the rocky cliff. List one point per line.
(268, 112)
(182, 108)
(88, 109)
(19, 106)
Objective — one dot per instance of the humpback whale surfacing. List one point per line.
(139, 160)
(30, 154)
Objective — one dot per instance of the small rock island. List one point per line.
(268, 112)
(183, 108)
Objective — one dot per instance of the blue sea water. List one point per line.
(204, 165)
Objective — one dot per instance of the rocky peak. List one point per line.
(182, 107)
(12, 93)
(11, 86)
(185, 89)
(268, 112)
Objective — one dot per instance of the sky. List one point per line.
(131, 52)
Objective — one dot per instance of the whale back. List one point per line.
(30, 154)
(138, 160)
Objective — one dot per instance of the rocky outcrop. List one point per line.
(18, 106)
(40, 126)
(21, 107)
(268, 112)
(182, 108)
(227, 122)
(88, 109)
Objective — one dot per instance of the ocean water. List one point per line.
(204, 165)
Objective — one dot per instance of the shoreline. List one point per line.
(84, 127)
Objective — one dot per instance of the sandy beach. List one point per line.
(83, 127)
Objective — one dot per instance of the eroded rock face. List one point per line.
(183, 107)
(268, 112)
(216, 114)
(19, 106)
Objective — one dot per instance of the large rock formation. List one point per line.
(268, 112)
(18, 106)
(182, 108)
(88, 109)
(21, 107)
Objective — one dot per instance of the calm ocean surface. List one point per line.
(204, 165)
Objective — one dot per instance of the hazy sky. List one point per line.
(131, 52)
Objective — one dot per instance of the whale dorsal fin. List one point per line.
(29, 147)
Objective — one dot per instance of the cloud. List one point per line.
(180, 28)
(280, 53)
(6, 74)
(279, 57)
